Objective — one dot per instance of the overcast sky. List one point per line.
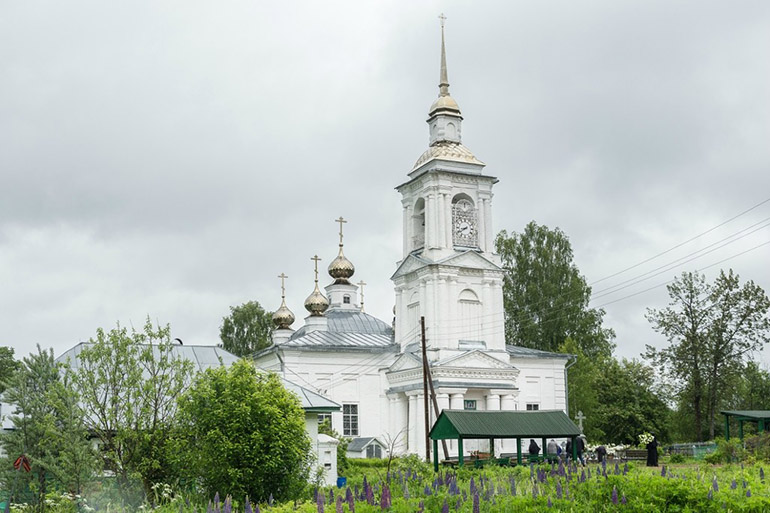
(171, 159)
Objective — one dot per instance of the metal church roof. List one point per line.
(527, 352)
(328, 339)
(453, 424)
(351, 321)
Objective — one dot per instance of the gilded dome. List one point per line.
(316, 303)
(283, 317)
(341, 269)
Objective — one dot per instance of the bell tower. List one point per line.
(448, 272)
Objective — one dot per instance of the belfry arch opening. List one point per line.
(418, 225)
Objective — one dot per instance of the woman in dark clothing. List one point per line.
(534, 449)
(652, 453)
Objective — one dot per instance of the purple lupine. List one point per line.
(370, 495)
(513, 486)
(744, 483)
(625, 469)
(338, 505)
(748, 492)
(476, 505)
(623, 499)
(270, 500)
(582, 478)
(549, 503)
(247, 507)
(445, 507)
(534, 491)
(714, 484)
(209, 509)
(733, 485)
(617, 469)
(558, 489)
(422, 506)
(351, 501)
(427, 491)
(319, 502)
(711, 494)
(256, 508)
(566, 491)
(663, 471)
(385, 499)
(473, 486)
(761, 474)
(614, 495)
(228, 507)
(331, 496)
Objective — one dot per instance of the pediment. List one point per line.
(475, 359)
(410, 264)
(405, 362)
(470, 259)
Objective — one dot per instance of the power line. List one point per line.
(682, 243)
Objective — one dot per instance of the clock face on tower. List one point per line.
(464, 221)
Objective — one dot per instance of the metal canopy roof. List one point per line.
(748, 414)
(453, 424)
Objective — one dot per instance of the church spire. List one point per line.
(443, 85)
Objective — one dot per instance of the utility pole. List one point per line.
(425, 389)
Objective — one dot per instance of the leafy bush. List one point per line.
(677, 458)
(728, 451)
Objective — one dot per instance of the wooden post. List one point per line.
(740, 429)
(425, 390)
(545, 450)
(518, 451)
(435, 455)
(574, 448)
(491, 448)
(727, 427)
(460, 459)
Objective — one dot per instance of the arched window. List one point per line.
(418, 225)
(450, 132)
(469, 308)
(464, 225)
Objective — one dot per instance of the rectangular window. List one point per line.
(350, 419)
(533, 406)
(469, 404)
(374, 451)
(325, 418)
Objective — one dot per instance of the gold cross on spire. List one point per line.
(361, 285)
(442, 18)
(316, 260)
(341, 221)
(283, 277)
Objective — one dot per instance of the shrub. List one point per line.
(728, 451)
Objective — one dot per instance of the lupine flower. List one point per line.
(733, 485)
(614, 495)
(534, 491)
(385, 499)
(623, 499)
(473, 487)
(209, 509)
(338, 505)
(714, 484)
(711, 494)
(663, 471)
(370, 495)
(331, 496)
(422, 506)
(319, 502)
(617, 468)
(558, 489)
(549, 503)
(270, 500)
(351, 501)
(761, 474)
(476, 503)
(247, 507)
(513, 486)
(228, 505)
(427, 490)
(748, 492)
(625, 469)
(445, 507)
(744, 483)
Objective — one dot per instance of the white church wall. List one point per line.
(541, 382)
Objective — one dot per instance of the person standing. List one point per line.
(580, 447)
(652, 452)
(552, 450)
(534, 449)
(601, 453)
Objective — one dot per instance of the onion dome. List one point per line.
(316, 303)
(341, 268)
(283, 317)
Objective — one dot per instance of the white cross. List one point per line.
(580, 418)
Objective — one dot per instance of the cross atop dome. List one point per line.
(341, 269)
(444, 115)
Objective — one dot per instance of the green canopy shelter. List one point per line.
(491, 425)
(761, 417)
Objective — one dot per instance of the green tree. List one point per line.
(628, 404)
(245, 434)
(247, 329)
(129, 383)
(33, 419)
(545, 296)
(752, 390)
(582, 392)
(8, 365)
(711, 330)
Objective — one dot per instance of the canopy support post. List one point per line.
(727, 427)
(518, 451)
(435, 455)
(460, 459)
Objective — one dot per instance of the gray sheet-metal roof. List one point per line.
(311, 401)
(203, 357)
(526, 352)
(332, 340)
(360, 443)
(206, 357)
(452, 424)
(351, 321)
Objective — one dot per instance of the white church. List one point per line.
(449, 275)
